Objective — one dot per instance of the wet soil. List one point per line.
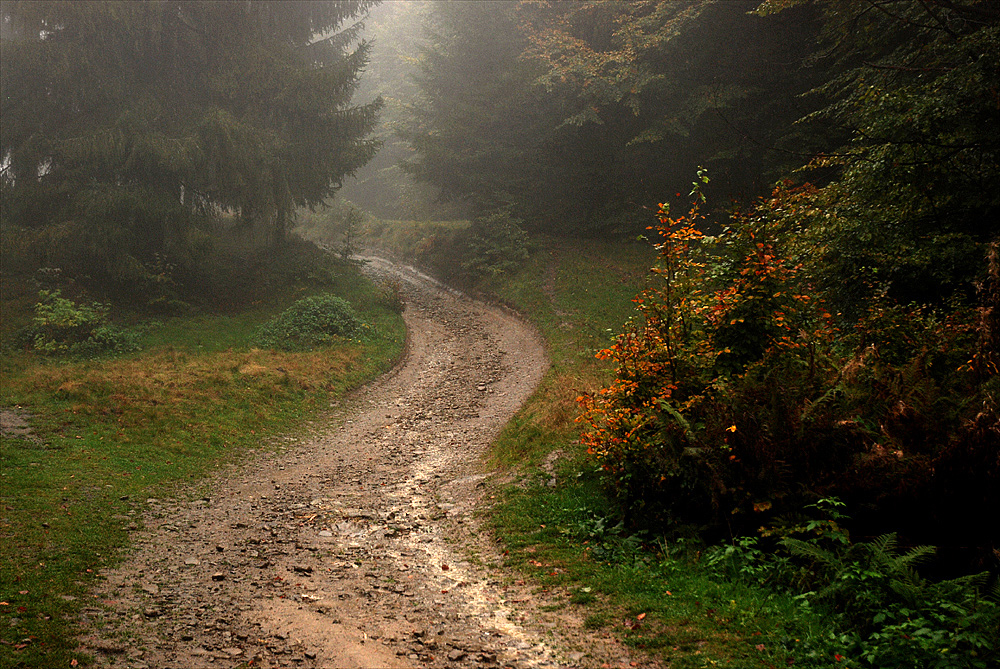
(358, 546)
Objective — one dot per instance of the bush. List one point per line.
(740, 397)
(496, 244)
(314, 321)
(62, 327)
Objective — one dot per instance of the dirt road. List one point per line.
(357, 547)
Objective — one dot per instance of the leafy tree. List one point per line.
(916, 190)
(129, 127)
(653, 89)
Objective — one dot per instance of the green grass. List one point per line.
(566, 537)
(654, 596)
(578, 294)
(111, 432)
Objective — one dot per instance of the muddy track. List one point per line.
(356, 547)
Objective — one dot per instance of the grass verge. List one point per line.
(671, 597)
(108, 433)
(559, 527)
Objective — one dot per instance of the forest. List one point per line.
(807, 381)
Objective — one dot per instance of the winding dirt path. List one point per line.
(357, 547)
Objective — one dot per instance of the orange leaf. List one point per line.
(640, 616)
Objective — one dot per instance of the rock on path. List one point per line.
(353, 548)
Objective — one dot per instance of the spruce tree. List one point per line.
(129, 127)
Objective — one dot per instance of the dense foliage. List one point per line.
(134, 132)
(740, 397)
(311, 322)
(63, 327)
(579, 113)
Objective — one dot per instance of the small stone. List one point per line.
(192, 562)
(151, 588)
(456, 655)
(310, 654)
(302, 569)
(577, 656)
(218, 576)
(232, 652)
(152, 612)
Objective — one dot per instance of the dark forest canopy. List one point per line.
(582, 114)
(129, 127)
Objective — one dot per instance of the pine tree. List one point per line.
(129, 126)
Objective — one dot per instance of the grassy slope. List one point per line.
(560, 529)
(110, 433)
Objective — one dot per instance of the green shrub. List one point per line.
(62, 327)
(314, 321)
(495, 244)
(881, 612)
(889, 616)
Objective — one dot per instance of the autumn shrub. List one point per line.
(739, 397)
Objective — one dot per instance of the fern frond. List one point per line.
(811, 551)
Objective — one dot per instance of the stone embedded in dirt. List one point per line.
(192, 562)
(152, 612)
(108, 647)
(151, 588)
(233, 652)
(376, 502)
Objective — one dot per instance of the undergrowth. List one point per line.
(751, 601)
(319, 320)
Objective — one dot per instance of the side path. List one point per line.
(358, 548)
